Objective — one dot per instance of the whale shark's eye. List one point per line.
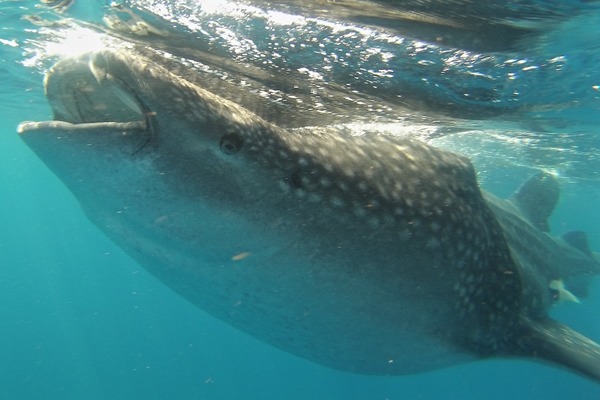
(231, 143)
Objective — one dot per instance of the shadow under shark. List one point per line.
(375, 255)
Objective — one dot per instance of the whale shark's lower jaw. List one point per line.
(368, 254)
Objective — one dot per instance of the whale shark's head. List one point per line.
(125, 125)
(369, 254)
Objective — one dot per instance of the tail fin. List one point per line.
(548, 340)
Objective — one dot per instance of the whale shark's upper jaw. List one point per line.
(83, 95)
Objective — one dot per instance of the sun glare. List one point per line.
(76, 41)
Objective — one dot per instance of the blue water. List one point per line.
(79, 319)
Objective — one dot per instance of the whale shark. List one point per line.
(373, 254)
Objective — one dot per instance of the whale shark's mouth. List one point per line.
(84, 95)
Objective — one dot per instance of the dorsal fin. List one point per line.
(578, 240)
(549, 340)
(537, 198)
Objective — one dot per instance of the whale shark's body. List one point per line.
(373, 254)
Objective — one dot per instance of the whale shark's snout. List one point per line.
(367, 254)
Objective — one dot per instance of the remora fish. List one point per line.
(374, 255)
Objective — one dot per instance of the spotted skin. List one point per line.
(374, 254)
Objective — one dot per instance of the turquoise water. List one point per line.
(81, 320)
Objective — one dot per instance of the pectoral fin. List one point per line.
(551, 341)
